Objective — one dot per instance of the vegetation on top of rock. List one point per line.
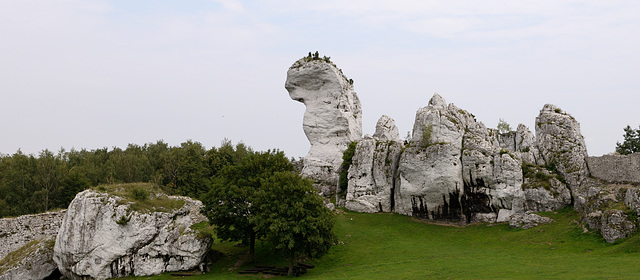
(14, 258)
(631, 143)
(503, 126)
(142, 197)
(316, 57)
(536, 176)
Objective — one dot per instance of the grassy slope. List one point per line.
(391, 246)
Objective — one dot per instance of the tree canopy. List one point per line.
(631, 143)
(230, 202)
(37, 183)
(292, 216)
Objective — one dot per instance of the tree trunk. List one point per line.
(291, 257)
(252, 247)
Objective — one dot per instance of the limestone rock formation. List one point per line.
(27, 245)
(34, 260)
(607, 208)
(372, 173)
(543, 190)
(622, 169)
(386, 129)
(455, 168)
(102, 236)
(561, 144)
(17, 232)
(333, 116)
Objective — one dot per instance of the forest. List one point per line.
(39, 183)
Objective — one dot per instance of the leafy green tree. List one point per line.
(190, 177)
(503, 126)
(230, 203)
(293, 216)
(631, 143)
(47, 177)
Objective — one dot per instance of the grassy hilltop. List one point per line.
(392, 246)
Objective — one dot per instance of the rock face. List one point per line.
(32, 261)
(27, 245)
(17, 232)
(373, 173)
(616, 168)
(386, 129)
(561, 144)
(454, 168)
(103, 237)
(333, 116)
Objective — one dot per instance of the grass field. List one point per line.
(391, 246)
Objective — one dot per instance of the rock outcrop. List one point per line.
(107, 235)
(621, 169)
(373, 171)
(456, 169)
(561, 145)
(19, 231)
(27, 245)
(332, 120)
(34, 260)
(528, 220)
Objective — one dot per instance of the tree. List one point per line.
(631, 143)
(293, 217)
(230, 203)
(503, 126)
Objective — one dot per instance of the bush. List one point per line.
(343, 176)
(139, 193)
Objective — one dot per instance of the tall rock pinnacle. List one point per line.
(333, 117)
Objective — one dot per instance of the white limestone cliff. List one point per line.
(333, 116)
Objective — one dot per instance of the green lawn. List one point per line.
(391, 246)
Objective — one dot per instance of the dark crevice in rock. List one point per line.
(476, 201)
(419, 210)
(394, 179)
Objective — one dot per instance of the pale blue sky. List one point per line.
(93, 74)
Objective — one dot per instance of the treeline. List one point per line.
(38, 183)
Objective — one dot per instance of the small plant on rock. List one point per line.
(123, 220)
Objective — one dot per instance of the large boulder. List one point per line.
(129, 230)
(333, 116)
(528, 220)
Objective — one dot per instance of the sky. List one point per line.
(95, 74)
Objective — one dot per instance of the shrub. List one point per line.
(139, 193)
(343, 176)
(123, 220)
